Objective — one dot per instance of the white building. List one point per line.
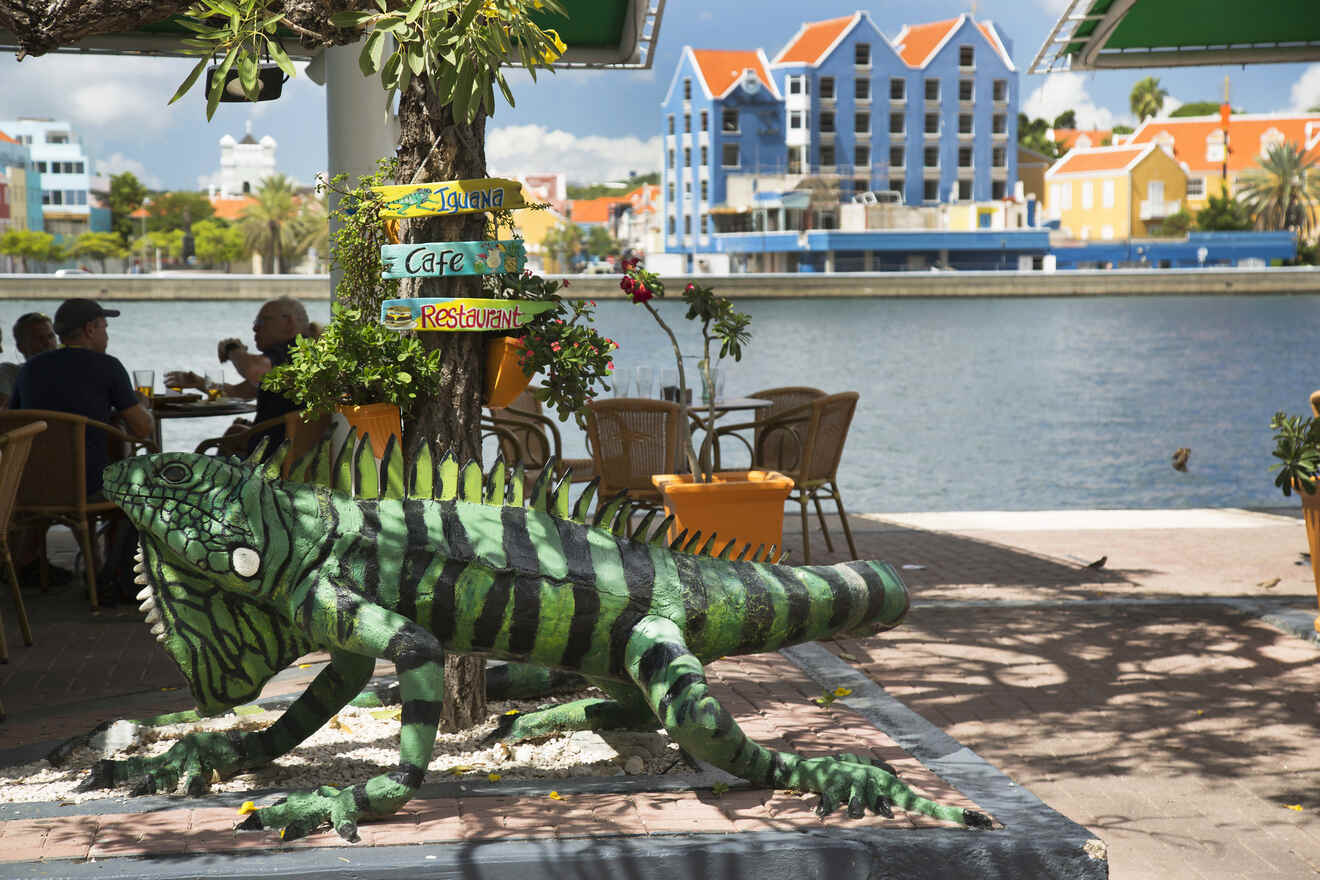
(243, 166)
(64, 169)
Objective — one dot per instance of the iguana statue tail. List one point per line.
(244, 571)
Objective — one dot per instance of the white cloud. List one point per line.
(1067, 91)
(1170, 104)
(119, 163)
(1306, 91)
(524, 149)
(1055, 6)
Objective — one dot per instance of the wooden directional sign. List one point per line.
(450, 197)
(459, 315)
(438, 259)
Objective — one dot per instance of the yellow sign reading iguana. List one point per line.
(450, 197)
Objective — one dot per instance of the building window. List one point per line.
(705, 190)
(1001, 90)
(671, 158)
(687, 187)
(794, 84)
(931, 191)
(964, 190)
(795, 119)
(896, 157)
(687, 123)
(999, 157)
(1107, 194)
(932, 157)
(896, 123)
(41, 167)
(794, 160)
(1088, 195)
(704, 218)
(687, 224)
(932, 90)
(729, 157)
(672, 225)
(687, 157)
(964, 157)
(1195, 187)
(897, 184)
(965, 92)
(705, 155)
(826, 156)
(999, 123)
(1107, 232)
(671, 191)
(861, 156)
(897, 89)
(997, 190)
(687, 90)
(964, 123)
(671, 123)
(825, 88)
(729, 121)
(862, 123)
(705, 121)
(862, 54)
(966, 56)
(932, 123)
(827, 122)
(862, 89)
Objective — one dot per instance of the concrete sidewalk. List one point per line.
(1165, 700)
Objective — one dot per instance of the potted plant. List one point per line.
(744, 506)
(1297, 446)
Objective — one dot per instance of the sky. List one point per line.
(591, 125)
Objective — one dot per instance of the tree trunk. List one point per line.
(433, 147)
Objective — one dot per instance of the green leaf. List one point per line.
(469, 15)
(372, 50)
(416, 57)
(280, 57)
(389, 74)
(463, 91)
(247, 75)
(415, 10)
(350, 19)
(190, 79)
(218, 83)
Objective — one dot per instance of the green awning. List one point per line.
(599, 33)
(1111, 34)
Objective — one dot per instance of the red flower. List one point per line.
(641, 293)
(565, 283)
(690, 287)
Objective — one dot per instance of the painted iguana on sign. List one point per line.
(244, 572)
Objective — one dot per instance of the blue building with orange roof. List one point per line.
(834, 134)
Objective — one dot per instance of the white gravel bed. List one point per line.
(360, 743)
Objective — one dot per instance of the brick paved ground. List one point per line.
(1181, 732)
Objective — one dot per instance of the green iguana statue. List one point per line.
(244, 572)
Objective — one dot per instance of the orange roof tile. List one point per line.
(4, 138)
(722, 68)
(594, 210)
(1098, 159)
(1067, 138)
(1245, 133)
(231, 209)
(919, 40)
(812, 41)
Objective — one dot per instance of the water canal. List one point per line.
(966, 404)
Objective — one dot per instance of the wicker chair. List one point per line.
(784, 445)
(14, 449)
(805, 443)
(631, 439)
(235, 442)
(526, 435)
(54, 484)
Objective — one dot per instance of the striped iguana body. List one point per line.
(243, 572)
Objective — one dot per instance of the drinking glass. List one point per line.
(144, 381)
(712, 388)
(177, 375)
(645, 382)
(215, 384)
(622, 382)
(669, 383)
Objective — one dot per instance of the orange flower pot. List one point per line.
(379, 421)
(505, 379)
(1311, 514)
(741, 507)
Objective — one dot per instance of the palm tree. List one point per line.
(1284, 191)
(268, 223)
(1147, 98)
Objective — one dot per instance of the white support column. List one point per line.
(357, 130)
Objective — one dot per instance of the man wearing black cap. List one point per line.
(81, 378)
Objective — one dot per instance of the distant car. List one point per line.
(60, 273)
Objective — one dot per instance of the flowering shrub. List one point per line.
(561, 344)
(718, 322)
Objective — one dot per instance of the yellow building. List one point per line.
(532, 226)
(1114, 192)
(1031, 172)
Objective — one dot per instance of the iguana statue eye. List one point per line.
(175, 473)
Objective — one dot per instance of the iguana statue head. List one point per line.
(214, 536)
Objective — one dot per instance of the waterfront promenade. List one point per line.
(1167, 701)
(1113, 282)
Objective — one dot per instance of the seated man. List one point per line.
(277, 326)
(81, 378)
(33, 334)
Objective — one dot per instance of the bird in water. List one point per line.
(1180, 458)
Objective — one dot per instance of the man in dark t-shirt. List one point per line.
(81, 378)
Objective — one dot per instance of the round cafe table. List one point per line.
(163, 408)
